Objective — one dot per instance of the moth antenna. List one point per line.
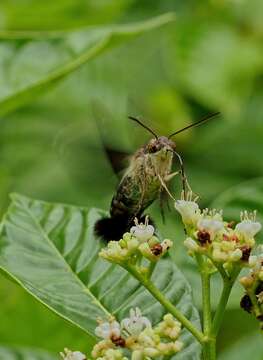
(206, 118)
(144, 126)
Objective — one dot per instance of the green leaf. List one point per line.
(32, 62)
(24, 354)
(51, 251)
(250, 347)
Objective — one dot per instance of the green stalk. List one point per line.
(207, 319)
(228, 284)
(151, 269)
(148, 284)
(210, 346)
(209, 349)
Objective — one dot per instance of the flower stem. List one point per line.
(207, 319)
(148, 284)
(209, 349)
(151, 269)
(228, 284)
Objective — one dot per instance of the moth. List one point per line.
(146, 177)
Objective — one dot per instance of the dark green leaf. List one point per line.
(51, 251)
(25, 75)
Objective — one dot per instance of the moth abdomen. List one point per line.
(111, 228)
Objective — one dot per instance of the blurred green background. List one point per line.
(209, 59)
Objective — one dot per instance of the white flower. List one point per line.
(255, 261)
(190, 244)
(248, 227)
(212, 225)
(107, 330)
(136, 323)
(72, 355)
(189, 210)
(143, 232)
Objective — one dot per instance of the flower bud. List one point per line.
(219, 256)
(137, 355)
(151, 352)
(72, 355)
(127, 236)
(132, 244)
(236, 255)
(246, 281)
(191, 245)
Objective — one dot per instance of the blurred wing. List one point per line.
(118, 159)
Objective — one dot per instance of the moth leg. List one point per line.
(165, 186)
(185, 183)
(169, 177)
(163, 199)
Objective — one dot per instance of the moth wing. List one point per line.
(118, 159)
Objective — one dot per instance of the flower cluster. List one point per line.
(221, 241)
(72, 355)
(139, 241)
(252, 301)
(136, 335)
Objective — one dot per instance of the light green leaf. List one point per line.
(39, 60)
(250, 347)
(51, 251)
(24, 354)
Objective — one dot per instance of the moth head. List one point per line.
(161, 143)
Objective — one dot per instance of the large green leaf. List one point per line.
(51, 251)
(31, 62)
(24, 354)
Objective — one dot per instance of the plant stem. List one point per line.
(151, 269)
(206, 302)
(148, 284)
(228, 284)
(209, 349)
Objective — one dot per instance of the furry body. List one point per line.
(149, 169)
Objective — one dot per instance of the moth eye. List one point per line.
(152, 147)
